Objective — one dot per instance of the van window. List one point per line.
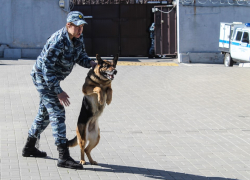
(238, 36)
(245, 38)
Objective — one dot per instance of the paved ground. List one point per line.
(186, 122)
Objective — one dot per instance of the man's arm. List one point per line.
(49, 73)
(84, 59)
(49, 68)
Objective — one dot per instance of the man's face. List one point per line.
(75, 31)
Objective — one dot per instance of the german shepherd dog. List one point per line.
(97, 92)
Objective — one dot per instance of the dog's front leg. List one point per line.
(99, 93)
(88, 90)
(81, 138)
(109, 96)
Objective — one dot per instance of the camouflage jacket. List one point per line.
(58, 57)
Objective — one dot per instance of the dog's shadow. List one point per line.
(149, 173)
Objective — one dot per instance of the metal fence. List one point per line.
(102, 2)
(217, 2)
(187, 2)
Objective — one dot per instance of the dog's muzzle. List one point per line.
(111, 74)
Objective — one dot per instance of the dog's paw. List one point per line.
(108, 102)
(82, 162)
(101, 101)
(93, 163)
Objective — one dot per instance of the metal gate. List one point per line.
(165, 31)
(117, 28)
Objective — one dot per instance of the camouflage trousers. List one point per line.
(50, 111)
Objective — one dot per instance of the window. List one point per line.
(245, 38)
(238, 36)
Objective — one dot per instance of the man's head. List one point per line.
(75, 22)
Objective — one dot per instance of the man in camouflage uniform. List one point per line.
(61, 52)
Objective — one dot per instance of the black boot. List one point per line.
(30, 150)
(64, 158)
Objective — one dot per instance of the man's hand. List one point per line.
(93, 64)
(63, 98)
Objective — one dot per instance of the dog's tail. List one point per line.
(72, 142)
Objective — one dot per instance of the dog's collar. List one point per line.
(89, 76)
(91, 79)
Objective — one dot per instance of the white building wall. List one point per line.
(199, 27)
(27, 24)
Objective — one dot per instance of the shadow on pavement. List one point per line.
(48, 157)
(151, 173)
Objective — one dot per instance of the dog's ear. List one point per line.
(99, 59)
(115, 59)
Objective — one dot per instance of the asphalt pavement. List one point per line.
(167, 121)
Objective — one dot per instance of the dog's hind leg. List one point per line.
(81, 137)
(93, 141)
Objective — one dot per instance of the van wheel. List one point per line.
(228, 60)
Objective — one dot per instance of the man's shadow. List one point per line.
(150, 173)
(146, 172)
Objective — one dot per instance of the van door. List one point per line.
(235, 45)
(244, 47)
